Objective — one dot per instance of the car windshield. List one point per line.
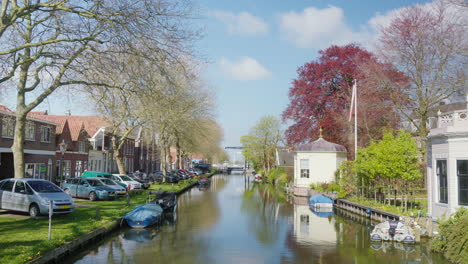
(126, 178)
(108, 182)
(95, 183)
(43, 187)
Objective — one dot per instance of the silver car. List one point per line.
(33, 196)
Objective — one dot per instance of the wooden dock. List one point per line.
(374, 214)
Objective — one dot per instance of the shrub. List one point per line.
(452, 241)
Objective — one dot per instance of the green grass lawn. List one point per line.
(23, 238)
(419, 205)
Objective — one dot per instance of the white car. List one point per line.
(129, 182)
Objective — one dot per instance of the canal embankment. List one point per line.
(24, 239)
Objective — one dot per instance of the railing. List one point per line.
(452, 119)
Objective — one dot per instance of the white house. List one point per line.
(316, 162)
(447, 163)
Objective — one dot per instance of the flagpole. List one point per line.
(355, 119)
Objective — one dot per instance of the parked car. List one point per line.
(88, 174)
(91, 188)
(119, 190)
(130, 184)
(98, 174)
(34, 196)
(156, 176)
(144, 183)
(172, 177)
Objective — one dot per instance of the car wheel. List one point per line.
(34, 210)
(67, 191)
(92, 196)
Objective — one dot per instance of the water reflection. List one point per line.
(235, 221)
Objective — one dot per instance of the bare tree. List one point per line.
(48, 44)
(428, 43)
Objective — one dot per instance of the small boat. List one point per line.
(144, 215)
(393, 230)
(320, 201)
(166, 199)
(204, 181)
(322, 211)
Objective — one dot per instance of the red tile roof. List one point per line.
(91, 124)
(60, 120)
(39, 113)
(5, 109)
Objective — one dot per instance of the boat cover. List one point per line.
(318, 198)
(145, 211)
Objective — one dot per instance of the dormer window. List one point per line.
(81, 146)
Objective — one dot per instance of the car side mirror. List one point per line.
(86, 185)
(22, 191)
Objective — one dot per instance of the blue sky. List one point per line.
(254, 48)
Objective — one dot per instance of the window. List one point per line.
(8, 127)
(78, 168)
(20, 188)
(8, 186)
(66, 168)
(81, 146)
(442, 178)
(30, 133)
(35, 170)
(304, 167)
(45, 134)
(462, 173)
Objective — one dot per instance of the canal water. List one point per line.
(235, 221)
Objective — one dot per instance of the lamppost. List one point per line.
(63, 148)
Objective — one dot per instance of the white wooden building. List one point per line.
(447, 163)
(316, 162)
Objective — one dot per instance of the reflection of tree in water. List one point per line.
(180, 242)
(262, 204)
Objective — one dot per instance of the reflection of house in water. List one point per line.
(310, 228)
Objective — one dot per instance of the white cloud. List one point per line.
(243, 23)
(244, 69)
(320, 28)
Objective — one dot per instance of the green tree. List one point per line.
(261, 143)
(393, 161)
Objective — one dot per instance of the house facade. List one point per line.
(39, 146)
(71, 132)
(316, 162)
(146, 155)
(447, 163)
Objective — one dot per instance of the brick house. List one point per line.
(39, 146)
(146, 156)
(73, 133)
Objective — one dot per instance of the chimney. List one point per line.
(68, 113)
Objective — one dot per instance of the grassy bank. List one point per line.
(420, 205)
(24, 238)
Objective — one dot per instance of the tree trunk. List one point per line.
(178, 154)
(18, 148)
(118, 155)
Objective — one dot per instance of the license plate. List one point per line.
(65, 207)
(111, 194)
(121, 192)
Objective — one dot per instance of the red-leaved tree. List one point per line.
(321, 95)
